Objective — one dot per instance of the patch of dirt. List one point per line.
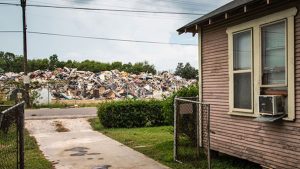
(60, 127)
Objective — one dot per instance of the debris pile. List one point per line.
(69, 83)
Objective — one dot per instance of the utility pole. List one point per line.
(26, 79)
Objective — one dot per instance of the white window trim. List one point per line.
(255, 25)
(286, 54)
(233, 72)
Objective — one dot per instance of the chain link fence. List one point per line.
(68, 93)
(191, 136)
(12, 136)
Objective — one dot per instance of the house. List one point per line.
(249, 59)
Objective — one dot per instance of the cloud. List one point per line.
(146, 27)
(82, 1)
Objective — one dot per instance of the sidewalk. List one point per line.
(83, 148)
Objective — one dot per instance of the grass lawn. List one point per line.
(34, 159)
(157, 143)
(63, 105)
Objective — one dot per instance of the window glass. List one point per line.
(242, 91)
(242, 46)
(273, 53)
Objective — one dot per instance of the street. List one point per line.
(65, 113)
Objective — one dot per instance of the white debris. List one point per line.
(69, 83)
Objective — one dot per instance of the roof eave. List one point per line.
(189, 27)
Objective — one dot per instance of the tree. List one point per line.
(149, 68)
(10, 62)
(2, 63)
(7, 59)
(18, 65)
(53, 61)
(127, 67)
(116, 65)
(38, 64)
(187, 71)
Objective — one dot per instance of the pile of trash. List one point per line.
(69, 83)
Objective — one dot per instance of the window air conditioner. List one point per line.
(271, 105)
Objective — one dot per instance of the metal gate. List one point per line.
(191, 130)
(12, 136)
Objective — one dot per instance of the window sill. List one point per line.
(245, 114)
(290, 119)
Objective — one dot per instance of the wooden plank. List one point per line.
(209, 63)
(213, 57)
(268, 150)
(216, 80)
(282, 144)
(209, 45)
(248, 120)
(221, 49)
(252, 127)
(248, 153)
(260, 138)
(274, 145)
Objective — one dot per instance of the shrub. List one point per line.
(141, 113)
(131, 113)
(168, 103)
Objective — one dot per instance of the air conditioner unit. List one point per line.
(271, 105)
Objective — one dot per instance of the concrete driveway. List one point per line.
(83, 148)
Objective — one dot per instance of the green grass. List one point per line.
(157, 143)
(63, 105)
(34, 159)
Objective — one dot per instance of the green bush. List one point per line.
(131, 113)
(141, 113)
(168, 103)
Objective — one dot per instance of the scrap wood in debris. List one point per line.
(69, 83)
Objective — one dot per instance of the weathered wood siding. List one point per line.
(275, 145)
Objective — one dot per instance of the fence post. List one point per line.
(1, 117)
(197, 128)
(48, 95)
(175, 129)
(200, 124)
(208, 137)
(21, 134)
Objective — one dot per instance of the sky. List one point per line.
(146, 27)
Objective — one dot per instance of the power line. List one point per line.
(100, 38)
(157, 3)
(118, 7)
(103, 9)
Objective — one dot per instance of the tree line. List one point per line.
(9, 62)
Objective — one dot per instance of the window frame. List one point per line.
(255, 25)
(285, 57)
(233, 72)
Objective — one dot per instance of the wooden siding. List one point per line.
(275, 145)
